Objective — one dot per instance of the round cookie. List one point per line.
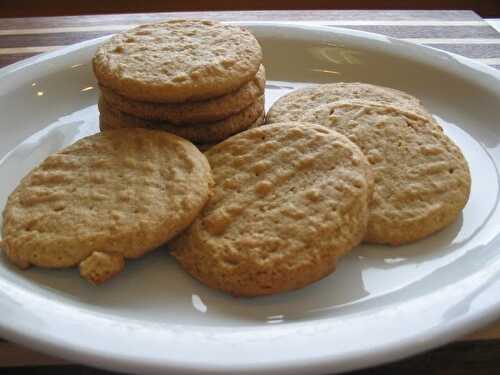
(179, 60)
(289, 199)
(191, 113)
(109, 196)
(422, 180)
(111, 118)
(291, 106)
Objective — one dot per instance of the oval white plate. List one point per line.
(382, 303)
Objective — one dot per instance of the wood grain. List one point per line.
(21, 37)
(25, 8)
(304, 15)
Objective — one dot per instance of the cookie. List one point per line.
(109, 196)
(177, 61)
(203, 133)
(291, 106)
(203, 147)
(289, 200)
(210, 110)
(99, 267)
(422, 180)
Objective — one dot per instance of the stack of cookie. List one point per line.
(201, 80)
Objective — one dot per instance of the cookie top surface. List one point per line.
(422, 180)
(192, 113)
(110, 118)
(178, 60)
(291, 106)
(122, 191)
(289, 199)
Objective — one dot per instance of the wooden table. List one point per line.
(461, 32)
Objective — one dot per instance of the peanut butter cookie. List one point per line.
(178, 60)
(289, 200)
(109, 196)
(110, 118)
(422, 180)
(191, 113)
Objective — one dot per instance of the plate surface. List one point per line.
(380, 305)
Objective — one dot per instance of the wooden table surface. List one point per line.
(462, 32)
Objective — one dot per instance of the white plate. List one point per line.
(382, 303)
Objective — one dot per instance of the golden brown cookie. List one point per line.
(191, 113)
(178, 60)
(115, 194)
(291, 106)
(422, 180)
(99, 267)
(111, 118)
(289, 199)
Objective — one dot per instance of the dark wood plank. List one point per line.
(57, 39)
(55, 370)
(113, 19)
(60, 39)
(20, 8)
(430, 31)
(473, 357)
(463, 358)
(473, 51)
(11, 59)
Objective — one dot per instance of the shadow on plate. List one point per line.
(156, 287)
